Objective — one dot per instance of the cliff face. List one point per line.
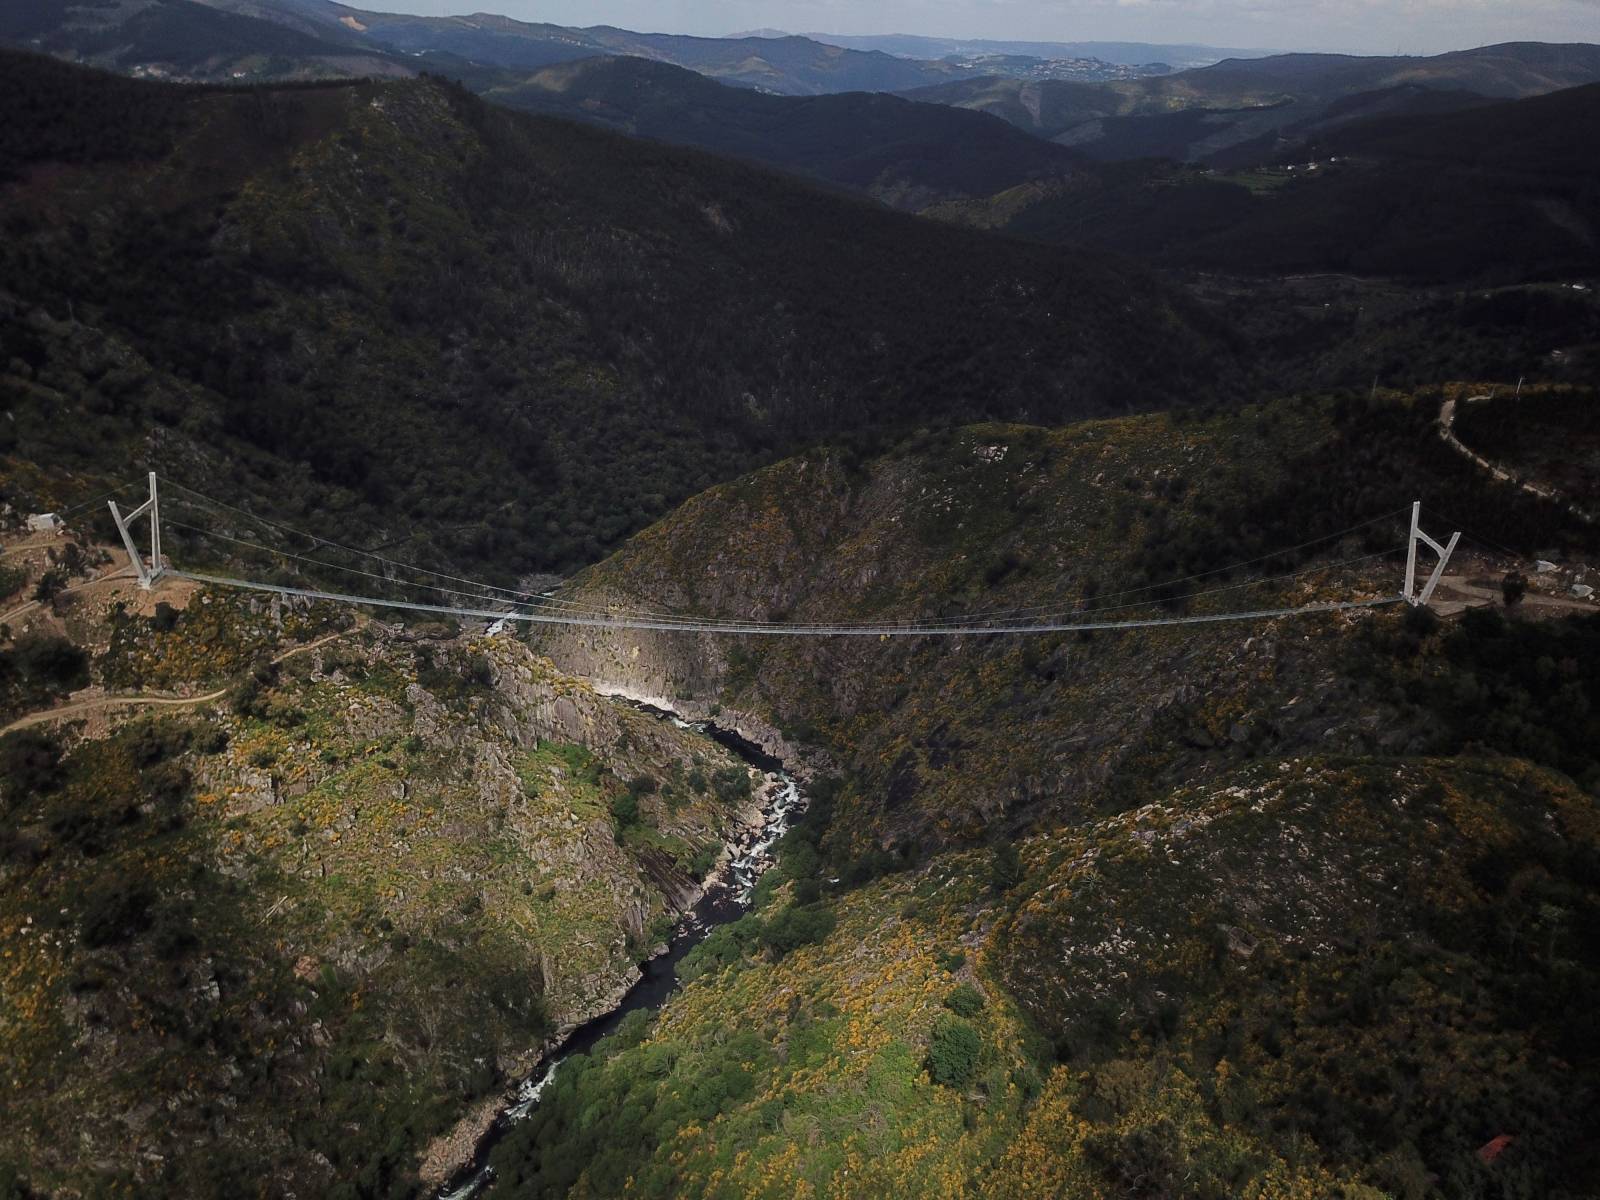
(323, 913)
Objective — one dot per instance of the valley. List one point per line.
(823, 616)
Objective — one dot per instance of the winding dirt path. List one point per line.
(83, 707)
(1447, 430)
(115, 572)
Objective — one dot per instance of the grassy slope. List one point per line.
(282, 945)
(1192, 978)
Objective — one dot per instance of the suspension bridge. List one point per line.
(471, 599)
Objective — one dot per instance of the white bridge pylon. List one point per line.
(148, 572)
(1444, 552)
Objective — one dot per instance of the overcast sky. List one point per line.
(1366, 26)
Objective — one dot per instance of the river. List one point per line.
(726, 900)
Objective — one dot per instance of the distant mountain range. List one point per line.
(1241, 110)
(1125, 54)
(1057, 160)
(1496, 192)
(279, 39)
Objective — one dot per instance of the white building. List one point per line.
(45, 523)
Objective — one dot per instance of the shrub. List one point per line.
(795, 927)
(1005, 868)
(953, 1052)
(964, 1001)
(51, 584)
(51, 662)
(30, 763)
(116, 913)
(733, 785)
(165, 619)
(625, 810)
(952, 961)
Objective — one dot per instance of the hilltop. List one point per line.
(221, 40)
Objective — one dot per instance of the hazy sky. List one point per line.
(1369, 26)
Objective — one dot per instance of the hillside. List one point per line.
(477, 336)
(1241, 851)
(291, 930)
(1244, 110)
(1100, 516)
(908, 155)
(1069, 806)
(1499, 192)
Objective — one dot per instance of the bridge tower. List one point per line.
(1444, 552)
(148, 572)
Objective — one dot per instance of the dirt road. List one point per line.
(1456, 594)
(84, 707)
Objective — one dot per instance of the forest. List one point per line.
(412, 342)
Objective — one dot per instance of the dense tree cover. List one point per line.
(54, 113)
(473, 335)
(1528, 689)
(1552, 440)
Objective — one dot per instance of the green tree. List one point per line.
(1005, 868)
(51, 584)
(953, 1052)
(964, 1001)
(625, 810)
(1514, 587)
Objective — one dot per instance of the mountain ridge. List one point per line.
(909, 155)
